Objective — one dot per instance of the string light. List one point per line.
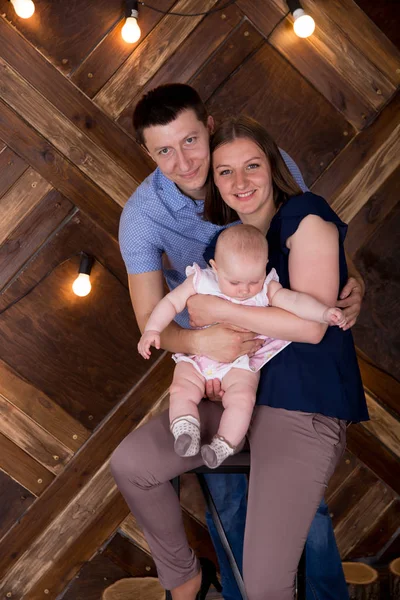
(303, 25)
(131, 30)
(23, 8)
(82, 286)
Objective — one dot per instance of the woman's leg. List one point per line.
(143, 465)
(293, 456)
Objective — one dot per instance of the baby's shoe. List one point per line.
(186, 431)
(215, 453)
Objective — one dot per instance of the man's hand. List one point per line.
(204, 310)
(350, 301)
(225, 343)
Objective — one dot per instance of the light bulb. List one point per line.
(131, 31)
(303, 25)
(23, 8)
(82, 285)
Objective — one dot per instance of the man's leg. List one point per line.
(324, 573)
(229, 493)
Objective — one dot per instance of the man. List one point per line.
(161, 232)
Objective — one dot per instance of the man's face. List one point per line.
(181, 151)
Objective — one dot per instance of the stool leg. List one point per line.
(221, 532)
(301, 577)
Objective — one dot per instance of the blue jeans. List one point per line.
(324, 573)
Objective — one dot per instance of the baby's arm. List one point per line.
(304, 305)
(165, 311)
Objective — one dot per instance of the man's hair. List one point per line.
(164, 104)
(283, 184)
(243, 240)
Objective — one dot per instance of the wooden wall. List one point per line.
(71, 383)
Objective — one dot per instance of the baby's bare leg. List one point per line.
(186, 391)
(240, 389)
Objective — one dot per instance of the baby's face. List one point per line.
(240, 278)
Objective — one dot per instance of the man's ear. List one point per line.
(210, 124)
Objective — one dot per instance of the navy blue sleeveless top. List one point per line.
(318, 378)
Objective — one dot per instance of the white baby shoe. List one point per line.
(215, 453)
(186, 431)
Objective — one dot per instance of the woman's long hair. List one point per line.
(284, 186)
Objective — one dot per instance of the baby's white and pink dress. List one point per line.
(205, 282)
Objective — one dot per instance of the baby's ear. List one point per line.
(213, 265)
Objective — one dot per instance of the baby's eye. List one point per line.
(234, 282)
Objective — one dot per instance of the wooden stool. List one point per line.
(239, 464)
(362, 581)
(137, 588)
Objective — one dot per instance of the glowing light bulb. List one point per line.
(23, 8)
(82, 285)
(303, 25)
(131, 31)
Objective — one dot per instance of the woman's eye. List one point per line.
(225, 172)
(253, 166)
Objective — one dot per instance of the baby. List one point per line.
(237, 274)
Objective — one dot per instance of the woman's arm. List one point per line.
(313, 269)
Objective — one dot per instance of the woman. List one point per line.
(305, 397)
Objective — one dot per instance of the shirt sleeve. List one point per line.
(294, 170)
(137, 240)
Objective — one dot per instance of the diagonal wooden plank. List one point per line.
(20, 200)
(383, 385)
(65, 136)
(71, 102)
(57, 170)
(126, 415)
(41, 409)
(263, 17)
(158, 46)
(382, 424)
(11, 168)
(24, 469)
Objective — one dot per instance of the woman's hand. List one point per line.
(350, 301)
(205, 310)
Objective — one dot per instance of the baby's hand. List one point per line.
(335, 316)
(149, 338)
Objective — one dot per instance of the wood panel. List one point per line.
(386, 15)
(20, 200)
(112, 51)
(349, 494)
(386, 387)
(11, 168)
(380, 533)
(270, 90)
(158, 46)
(50, 214)
(41, 409)
(264, 20)
(80, 472)
(200, 45)
(72, 103)
(14, 501)
(343, 471)
(383, 425)
(129, 557)
(25, 470)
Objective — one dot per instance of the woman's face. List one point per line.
(243, 176)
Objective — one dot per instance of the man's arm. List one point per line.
(220, 342)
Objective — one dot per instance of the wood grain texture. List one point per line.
(229, 56)
(380, 534)
(14, 501)
(112, 51)
(32, 438)
(41, 409)
(386, 16)
(362, 154)
(383, 385)
(79, 472)
(129, 557)
(158, 46)
(57, 171)
(11, 168)
(264, 20)
(343, 471)
(23, 468)
(374, 455)
(34, 230)
(20, 200)
(200, 45)
(383, 425)
(267, 88)
(349, 494)
(65, 136)
(71, 102)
